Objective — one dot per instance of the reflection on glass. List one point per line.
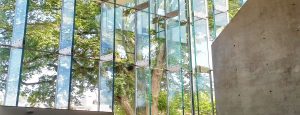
(43, 23)
(143, 85)
(204, 94)
(13, 78)
(4, 60)
(186, 67)
(7, 8)
(84, 94)
(107, 57)
(63, 82)
(243, 2)
(221, 15)
(142, 92)
(65, 59)
(11, 96)
(124, 61)
(159, 87)
(37, 86)
(85, 68)
(174, 74)
(39, 69)
(201, 64)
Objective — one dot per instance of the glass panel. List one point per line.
(173, 45)
(40, 57)
(221, 20)
(199, 7)
(234, 7)
(63, 82)
(124, 62)
(85, 72)
(4, 60)
(242, 2)
(43, 23)
(37, 88)
(107, 57)
(65, 49)
(186, 67)
(12, 81)
(204, 93)
(142, 91)
(85, 77)
(158, 62)
(201, 62)
(221, 15)
(142, 61)
(11, 97)
(7, 8)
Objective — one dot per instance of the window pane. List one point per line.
(143, 84)
(85, 73)
(84, 94)
(43, 22)
(159, 82)
(38, 79)
(106, 56)
(4, 60)
(220, 15)
(124, 61)
(7, 8)
(174, 74)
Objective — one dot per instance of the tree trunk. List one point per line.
(157, 74)
(124, 101)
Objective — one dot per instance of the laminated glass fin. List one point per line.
(106, 78)
(16, 54)
(221, 16)
(65, 55)
(142, 59)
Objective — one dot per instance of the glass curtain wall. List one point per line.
(130, 57)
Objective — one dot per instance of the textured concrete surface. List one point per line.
(257, 60)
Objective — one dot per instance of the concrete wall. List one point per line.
(257, 60)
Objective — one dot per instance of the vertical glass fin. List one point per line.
(65, 55)
(107, 57)
(16, 54)
(142, 59)
(173, 56)
(221, 16)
